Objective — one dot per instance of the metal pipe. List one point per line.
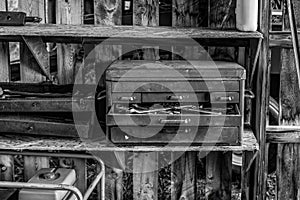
(95, 182)
(100, 176)
(18, 185)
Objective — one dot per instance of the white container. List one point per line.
(246, 15)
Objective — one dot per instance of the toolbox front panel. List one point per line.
(178, 86)
(184, 135)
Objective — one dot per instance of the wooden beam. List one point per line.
(69, 32)
(39, 52)
(260, 106)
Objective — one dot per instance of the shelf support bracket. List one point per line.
(38, 49)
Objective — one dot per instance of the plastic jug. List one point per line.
(246, 15)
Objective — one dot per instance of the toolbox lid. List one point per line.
(165, 70)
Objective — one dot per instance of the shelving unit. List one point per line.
(219, 162)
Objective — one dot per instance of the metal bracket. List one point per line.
(38, 49)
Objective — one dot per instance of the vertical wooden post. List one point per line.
(184, 177)
(218, 175)
(262, 98)
(81, 170)
(68, 12)
(145, 176)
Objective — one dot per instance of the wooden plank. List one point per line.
(108, 13)
(7, 161)
(33, 164)
(260, 105)
(145, 176)
(245, 176)
(218, 175)
(186, 13)
(22, 142)
(183, 176)
(145, 12)
(69, 59)
(30, 70)
(288, 166)
(80, 167)
(222, 15)
(89, 32)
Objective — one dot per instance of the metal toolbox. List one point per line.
(175, 102)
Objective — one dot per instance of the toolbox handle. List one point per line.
(174, 97)
(127, 98)
(225, 98)
(174, 121)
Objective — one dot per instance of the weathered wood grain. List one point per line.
(218, 175)
(30, 70)
(7, 161)
(33, 164)
(186, 13)
(89, 31)
(69, 59)
(183, 176)
(40, 143)
(222, 15)
(80, 167)
(145, 12)
(260, 105)
(145, 175)
(288, 154)
(108, 12)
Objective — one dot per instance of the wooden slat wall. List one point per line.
(69, 62)
(183, 172)
(288, 162)
(109, 13)
(222, 15)
(31, 73)
(68, 12)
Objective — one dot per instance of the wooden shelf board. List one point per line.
(118, 32)
(34, 143)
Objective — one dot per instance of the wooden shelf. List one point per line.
(31, 143)
(90, 33)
